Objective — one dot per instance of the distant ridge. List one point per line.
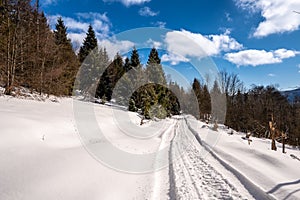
(292, 94)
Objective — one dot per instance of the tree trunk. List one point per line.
(283, 142)
(272, 131)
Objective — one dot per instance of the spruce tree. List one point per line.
(197, 88)
(60, 33)
(205, 103)
(109, 78)
(66, 57)
(89, 44)
(135, 58)
(154, 69)
(127, 65)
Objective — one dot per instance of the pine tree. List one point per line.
(109, 78)
(127, 65)
(66, 58)
(135, 58)
(60, 34)
(198, 93)
(89, 44)
(218, 100)
(154, 71)
(205, 103)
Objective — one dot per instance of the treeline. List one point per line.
(249, 110)
(143, 89)
(31, 55)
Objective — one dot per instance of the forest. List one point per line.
(43, 60)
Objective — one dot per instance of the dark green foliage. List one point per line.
(89, 44)
(60, 34)
(91, 70)
(109, 78)
(203, 98)
(66, 57)
(153, 57)
(135, 58)
(124, 83)
(154, 99)
(127, 65)
(154, 71)
(153, 104)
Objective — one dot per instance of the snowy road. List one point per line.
(191, 177)
(194, 178)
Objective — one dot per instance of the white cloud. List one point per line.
(77, 40)
(154, 44)
(115, 46)
(253, 57)
(224, 42)
(93, 15)
(147, 12)
(159, 24)
(284, 53)
(228, 18)
(48, 2)
(77, 27)
(187, 44)
(271, 75)
(278, 15)
(299, 68)
(129, 2)
(174, 59)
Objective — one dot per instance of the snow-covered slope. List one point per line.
(275, 173)
(42, 157)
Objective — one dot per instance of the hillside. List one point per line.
(40, 160)
(292, 94)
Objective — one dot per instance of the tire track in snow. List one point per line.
(193, 177)
(158, 183)
(253, 189)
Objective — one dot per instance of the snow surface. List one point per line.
(42, 156)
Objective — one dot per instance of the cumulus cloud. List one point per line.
(78, 26)
(188, 44)
(129, 2)
(147, 12)
(278, 15)
(115, 46)
(154, 44)
(253, 57)
(174, 59)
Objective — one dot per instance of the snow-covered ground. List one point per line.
(44, 156)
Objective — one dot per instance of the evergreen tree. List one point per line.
(135, 58)
(218, 100)
(198, 93)
(89, 44)
(205, 106)
(60, 34)
(127, 65)
(66, 57)
(109, 78)
(154, 71)
(154, 99)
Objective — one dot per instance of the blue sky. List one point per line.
(257, 39)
